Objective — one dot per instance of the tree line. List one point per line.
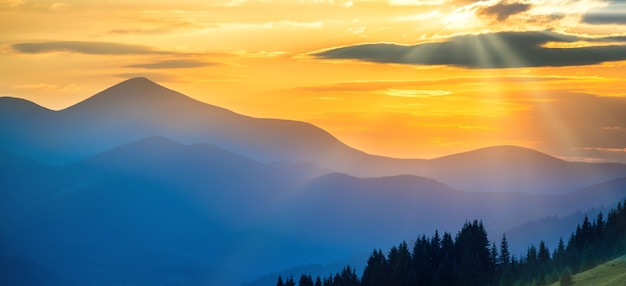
(469, 258)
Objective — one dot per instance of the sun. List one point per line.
(462, 18)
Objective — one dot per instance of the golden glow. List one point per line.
(579, 44)
(253, 57)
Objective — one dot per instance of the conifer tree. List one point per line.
(290, 282)
(505, 256)
(422, 262)
(400, 266)
(375, 272)
(305, 280)
(493, 254)
(280, 281)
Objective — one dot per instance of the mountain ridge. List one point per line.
(193, 203)
(139, 108)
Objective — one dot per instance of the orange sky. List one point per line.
(262, 58)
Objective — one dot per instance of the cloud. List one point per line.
(417, 93)
(172, 64)
(162, 28)
(414, 2)
(384, 85)
(614, 13)
(484, 51)
(503, 10)
(91, 48)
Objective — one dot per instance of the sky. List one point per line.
(400, 78)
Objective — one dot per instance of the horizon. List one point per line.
(384, 77)
(185, 144)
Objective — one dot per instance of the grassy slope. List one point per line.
(609, 273)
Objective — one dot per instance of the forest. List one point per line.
(469, 258)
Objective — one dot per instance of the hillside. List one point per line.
(609, 273)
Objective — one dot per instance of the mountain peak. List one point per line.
(137, 82)
(136, 87)
(502, 153)
(132, 93)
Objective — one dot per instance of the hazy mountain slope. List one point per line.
(199, 213)
(548, 229)
(391, 208)
(170, 212)
(511, 168)
(138, 108)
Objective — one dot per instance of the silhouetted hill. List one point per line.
(157, 206)
(511, 168)
(138, 108)
(337, 204)
(10, 106)
(172, 213)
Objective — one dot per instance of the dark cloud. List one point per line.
(91, 48)
(614, 13)
(173, 64)
(503, 10)
(494, 50)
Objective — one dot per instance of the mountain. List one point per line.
(394, 207)
(172, 213)
(138, 108)
(517, 169)
(188, 214)
(141, 177)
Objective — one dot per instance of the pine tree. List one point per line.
(290, 282)
(559, 257)
(375, 272)
(305, 280)
(446, 272)
(543, 256)
(472, 245)
(347, 277)
(318, 281)
(280, 281)
(422, 263)
(400, 266)
(328, 281)
(435, 252)
(505, 256)
(493, 255)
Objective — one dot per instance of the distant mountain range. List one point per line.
(138, 108)
(141, 184)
